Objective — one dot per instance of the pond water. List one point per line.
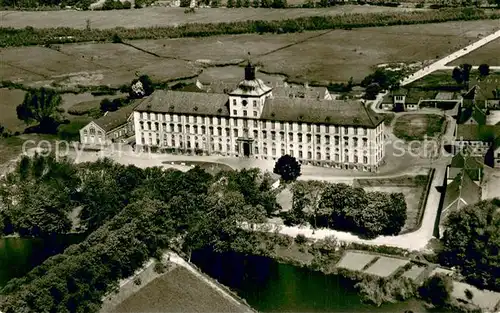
(19, 255)
(269, 286)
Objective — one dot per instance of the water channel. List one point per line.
(267, 286)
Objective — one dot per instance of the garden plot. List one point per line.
(355, 261)
(415, 272)
(385, 266)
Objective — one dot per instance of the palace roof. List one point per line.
(115, 119)
(179, 102)
(333, 112)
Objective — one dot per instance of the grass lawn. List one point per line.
(434, 79)
(177, 291)
(385, 266)
(355, 261)
(417, 126)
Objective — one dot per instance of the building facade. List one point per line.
(251, 121)
(113, 127)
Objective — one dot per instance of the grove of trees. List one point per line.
(471, 242)
(342, 207)
(40, 106)
(130, 215)
(437, 290)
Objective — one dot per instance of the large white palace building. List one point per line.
(257, 121)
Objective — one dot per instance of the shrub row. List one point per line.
(32, 36)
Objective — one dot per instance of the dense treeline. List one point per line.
(342, 207)
(32, 4)
(135, 214)
(32, 36)
(471, 242)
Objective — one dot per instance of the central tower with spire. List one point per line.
(247, 100)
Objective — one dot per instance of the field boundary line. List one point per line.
(154, 54)
(84, 59)
(26, 70)
(294, 43)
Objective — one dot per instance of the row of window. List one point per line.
(245, 102)
(92, 132)
(319, 139)
(219, 148)
(363, 131)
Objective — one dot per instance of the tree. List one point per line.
(127, 5)
(372, 91)
(246, 3)
(340, 204)
(214, 3)
(141, 87)
(383, 78)
(279, 4)
(437, 289)
(466, 68)
(457, 75)
(255, 3)
(484, 69)
(287, 167)
(230, 4)
(40, 105)
(238, 3)
(396, 212)
(371, 221)
(265, 3)
(470, 242)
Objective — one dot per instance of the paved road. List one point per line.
(449, 58)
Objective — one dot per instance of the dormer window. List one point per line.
(244, 102)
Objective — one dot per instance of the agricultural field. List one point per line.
(341, 54)
(418, 126)
(164, 16)
(385, 266)
(10, 99)
(320, 56)
(488, 54)
(355, 261)
(174, 292)
(412, 188)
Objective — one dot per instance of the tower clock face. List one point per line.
(244, 102)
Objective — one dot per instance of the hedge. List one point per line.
(60, 35)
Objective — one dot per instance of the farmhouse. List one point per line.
(258, 121)
(111, 128)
